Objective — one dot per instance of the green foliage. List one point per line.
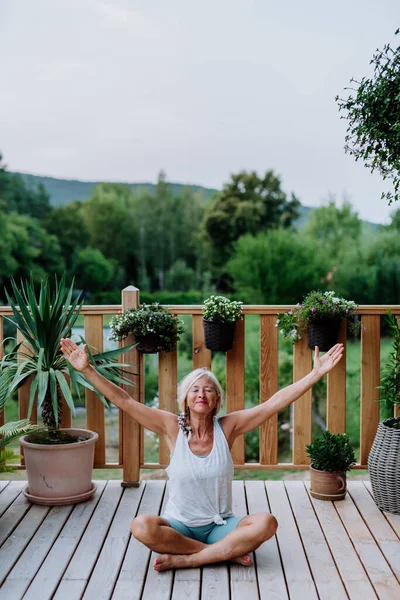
(219, 308)
(248, 204)
(331, 452)
(44, 318)
(316, 305)
(373, 131)
(334, 227)
(148, 319)
(390, 381)
(276, 267)
(68, 224)
(92, 270)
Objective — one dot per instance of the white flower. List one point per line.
(335, 300)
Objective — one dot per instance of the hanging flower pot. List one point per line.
(149, 343)
(384, 466)
(219, 336)
(219, 319)
(154, 327)
(323, 332)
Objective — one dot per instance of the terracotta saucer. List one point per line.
(331, 497)
(59, 501)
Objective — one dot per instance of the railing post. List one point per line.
(130, 429)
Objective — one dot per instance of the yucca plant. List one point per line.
(43, 318)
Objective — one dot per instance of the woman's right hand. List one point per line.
(78, 357)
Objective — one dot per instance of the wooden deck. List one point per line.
(347, 549)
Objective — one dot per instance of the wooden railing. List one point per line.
(131, 439)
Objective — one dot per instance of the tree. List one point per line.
(334, 227)
(68, 224)
(248, 204)
(373, 114)
(110, 221)
(92, 270)
(277, 267)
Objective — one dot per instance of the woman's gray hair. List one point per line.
(190, 379)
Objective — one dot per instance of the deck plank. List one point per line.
(52, 569)
(14, 546)
(158, 585)
(383, 534)
(393, 520)
(349, 566)
(379, 572)
(323, 568)
(35, 553)
(243, 579)
(105, 573)
(9, 494)
(271, 579)
(297, 572)
(84, 560)
(134, 567)
(13, 515)
(3, 485)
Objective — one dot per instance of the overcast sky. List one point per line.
(118, 89)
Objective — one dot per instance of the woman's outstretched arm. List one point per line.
(241, 421)
(159, 421)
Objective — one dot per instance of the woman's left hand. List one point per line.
(324, 364)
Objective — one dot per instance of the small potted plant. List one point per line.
(383, 459)
(331, 456)
(154, 327)
(321, 313)
(219, 319)
(58, 462)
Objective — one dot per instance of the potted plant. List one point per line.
(321, 313)
(58, 461)
(331, 456)
(219, 319)
(383, 459)
(154, 327)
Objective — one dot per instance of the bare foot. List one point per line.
(169, 561)
(245, 561)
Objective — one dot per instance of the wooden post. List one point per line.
(370, 377)
(336, 391)
(167, 391)
(23, 392)
(94, 407)
(235, 386)
(302, 417)
(268, 387)
(130, 429)
(201, 355)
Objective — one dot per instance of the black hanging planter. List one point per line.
(323, 332)
(219, 336)
(148, 343)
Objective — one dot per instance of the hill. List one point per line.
(63, 191)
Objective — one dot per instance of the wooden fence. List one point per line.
(131, 441)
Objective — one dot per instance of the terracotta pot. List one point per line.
(60, 473)
(327, 486)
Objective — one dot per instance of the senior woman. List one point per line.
(197, 526)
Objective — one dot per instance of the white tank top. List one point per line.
(200, 489)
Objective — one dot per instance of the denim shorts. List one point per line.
(208, 534)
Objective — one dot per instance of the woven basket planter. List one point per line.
(219, 336)
(384, 466)
(323, 333)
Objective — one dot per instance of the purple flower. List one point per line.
(323, 301)
(313, 310)
(290, 312)
(347, 310)
(334, 309)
